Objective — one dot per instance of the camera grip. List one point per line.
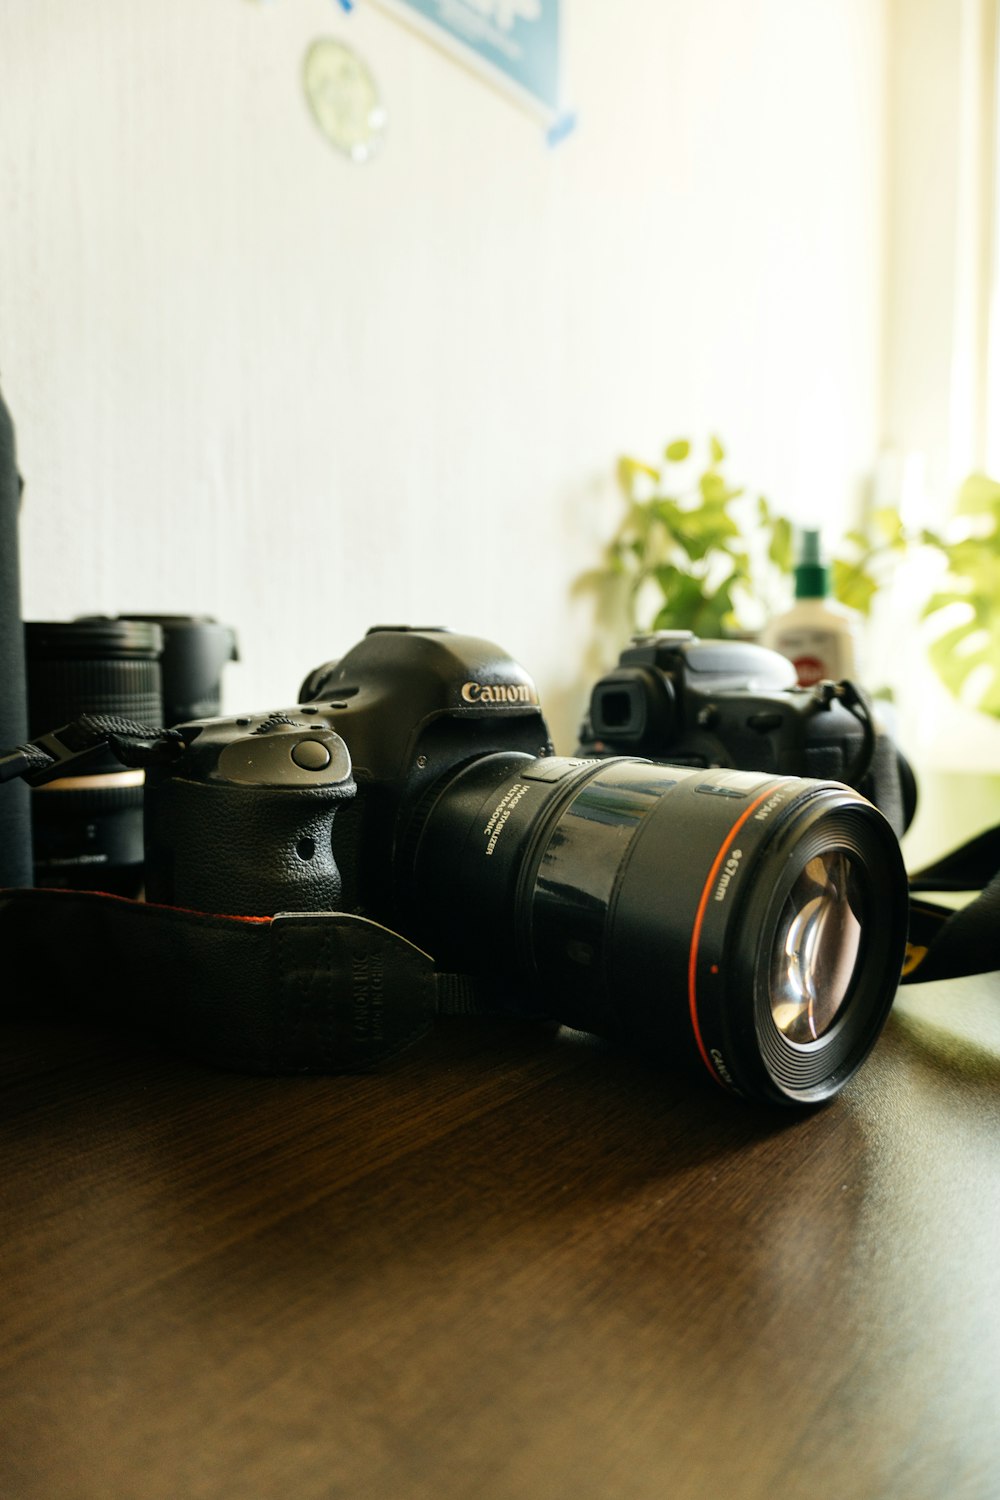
(243, 850)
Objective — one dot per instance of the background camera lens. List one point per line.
(87, 829)
(196, 648)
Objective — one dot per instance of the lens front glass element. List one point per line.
(816, 947)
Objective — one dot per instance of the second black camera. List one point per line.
(689, 702)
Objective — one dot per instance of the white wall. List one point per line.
(942, 168)
(938, 406)
(252, 379)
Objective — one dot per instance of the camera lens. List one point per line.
(749, 925)
(196, 649)
(87, 829)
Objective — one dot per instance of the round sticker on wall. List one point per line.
(344, 99)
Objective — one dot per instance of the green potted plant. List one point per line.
(965, 612)
(694, 551)
(684, 555)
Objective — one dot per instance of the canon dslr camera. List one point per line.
(749, 923)
(691, 702)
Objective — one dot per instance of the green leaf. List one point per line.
(853, 585)
(711, 621)
(952, 661)
(888, 523)
(666, 619)
(677, 451)
(683, 599)
(979, 493)
(971, 644)
(977, 561)
(629, 470)
(700, 532)
(712, 522)
(717, 616)
(667, 576)
(593, 580)
(780, 547)
(714, 489)
(668, 511)
(640, 517)
(942, 601)
(717, 451)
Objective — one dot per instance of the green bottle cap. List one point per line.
(812, 577)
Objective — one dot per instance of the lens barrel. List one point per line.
(196, 649)
(751, 926)
(87, 829)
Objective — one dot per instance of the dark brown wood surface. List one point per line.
(518, 1264)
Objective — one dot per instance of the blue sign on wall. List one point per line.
(515, 43)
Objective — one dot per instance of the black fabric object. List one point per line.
(15, 811)
(943, 943)
(968, 868)
(946, 944)
(302, 992)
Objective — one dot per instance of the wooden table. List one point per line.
(519, 1264)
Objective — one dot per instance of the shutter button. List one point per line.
(311, 755)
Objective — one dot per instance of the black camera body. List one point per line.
(304, 809)
(685, 701)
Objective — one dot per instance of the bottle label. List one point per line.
(816, 654)
(809, 670)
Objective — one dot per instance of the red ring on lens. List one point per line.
(696, 931)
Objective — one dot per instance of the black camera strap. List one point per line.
(945, 943)
(52, 755)
(311, 992)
